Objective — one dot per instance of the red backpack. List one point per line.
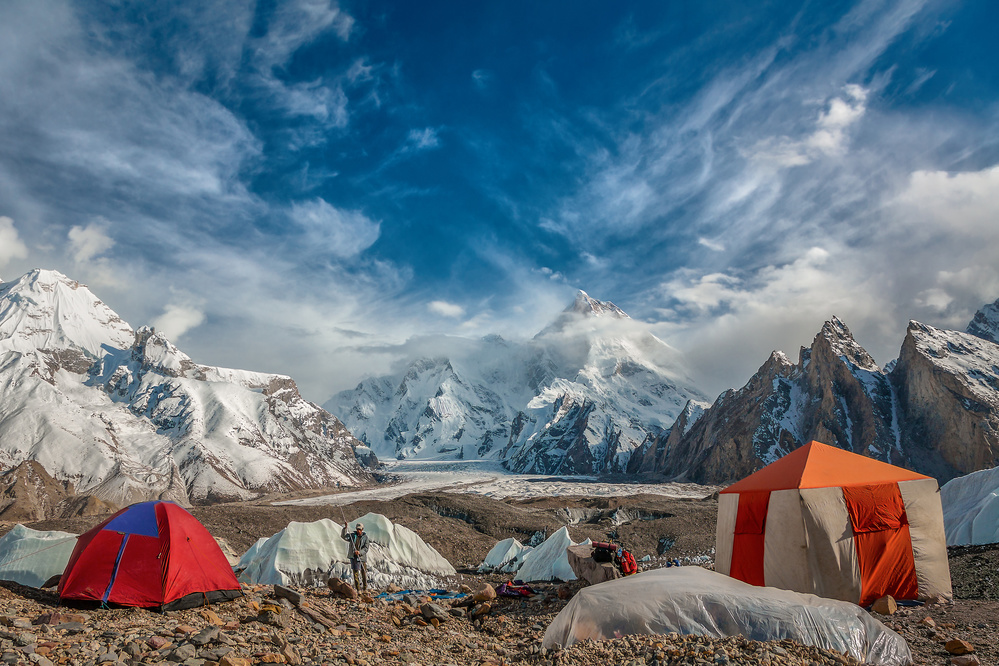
(626, 561)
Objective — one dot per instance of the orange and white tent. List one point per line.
(832, 523)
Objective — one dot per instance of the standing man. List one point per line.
(357, 552)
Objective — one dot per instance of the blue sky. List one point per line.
(301, 186)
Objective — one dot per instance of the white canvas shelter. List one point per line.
(506, 556)
(971, 508)
(692, 600)
(30, 557)
(309, 553)
(549, 561)
(825, 521)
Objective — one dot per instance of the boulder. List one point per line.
(342, 589)
(588, 569)
(886, 605)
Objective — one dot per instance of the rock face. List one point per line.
(985, 324)
(936, 411)
(948, 388)
(126, 416)
(28, 493)
(835, 393)
(578, 398)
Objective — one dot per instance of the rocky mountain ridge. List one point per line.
(576, 399)
(936, 410)
(126, 416)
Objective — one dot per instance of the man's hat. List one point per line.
(359, 526)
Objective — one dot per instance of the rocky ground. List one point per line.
(322, 629)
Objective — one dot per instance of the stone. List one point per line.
(393, 588)
(366, 597)
(481, 609)
(39, 660)
(183, 652)
(212, 617)
(928, 621)
(205, 636)
(233, 660)
(586, 568)
(158, 643)
(464, 589)
(965, 660)
(340, 588)
(957, 646)
(272, 658)
(486, 593)
(291, 595)
(273, 617)
(291, 655)
(886, 605)
(432, 611)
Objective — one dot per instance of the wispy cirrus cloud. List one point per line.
(11, 246)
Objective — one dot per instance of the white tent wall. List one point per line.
(728, 510)
(30, 557)
(832, 553)
(926, 529)
(785, 556)
(971, 508)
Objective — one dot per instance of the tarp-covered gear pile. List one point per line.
(151, 555)
(825, 521)
(692, 600)
(971, 508)
(31, 557)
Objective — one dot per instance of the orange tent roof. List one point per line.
(817, 465)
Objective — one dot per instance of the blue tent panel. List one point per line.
(137, 519)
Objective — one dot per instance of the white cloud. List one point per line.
(177, 319)
(422, 139)
(11, 246)
(711, 244)
(445, 309)
(341, 233)
(88, 243)
(482, 78)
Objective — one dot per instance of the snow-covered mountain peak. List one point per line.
(985, 324)
(45, 310)
(591, 307)
(127, 416)
(583, 309)
(842, 344)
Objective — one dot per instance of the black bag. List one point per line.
(603, 552)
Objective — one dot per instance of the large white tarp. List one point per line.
(506, 556)
(971, 508)
(31, 557)
(692, 600)
(308, 553)
(549, 561)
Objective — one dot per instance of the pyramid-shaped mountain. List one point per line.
(578, 398)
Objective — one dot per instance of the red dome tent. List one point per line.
(829, 522)
(153, 555)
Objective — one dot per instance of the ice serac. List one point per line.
(835, 393)
(126, 416)
(578, 398)
(985, 324)
(948, 387)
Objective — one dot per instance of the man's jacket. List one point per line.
(357, 546)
